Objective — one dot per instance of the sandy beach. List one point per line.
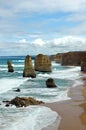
(73, 111)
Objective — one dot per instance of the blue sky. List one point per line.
(42, 26)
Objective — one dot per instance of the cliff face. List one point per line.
(28, 68)
(57, 58)
(42, 63)
(10, 67)
(73, 58)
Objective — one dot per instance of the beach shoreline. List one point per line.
(73, 111)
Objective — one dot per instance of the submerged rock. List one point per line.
(17, 90)
(28, 68)
(10, 67)
(24, 101)
(50, 83)
(43, 63)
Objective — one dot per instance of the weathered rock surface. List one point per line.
(73, 58)
(10, 67)
(83, 66)
(24, 101)
(28, 68)
(57, 58)
(43, 63)
(50, 83)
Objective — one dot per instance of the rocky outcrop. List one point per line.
(10, 67)
(73, 58)
(23, 102)
(50, 83)
(83, 66)
(57, 58)
(28, 68)
(43, 63)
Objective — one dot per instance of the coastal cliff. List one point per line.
(73, 58)
(69, 58)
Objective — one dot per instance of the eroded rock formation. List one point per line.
(28, 68)
(43, 63)
(57, 58)
(10, 67)
(23, 101)
(50, 83)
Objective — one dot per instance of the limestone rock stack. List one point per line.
(43, 63)
(28, 68)
(10, 67)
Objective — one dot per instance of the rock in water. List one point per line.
(28, 68)
(43, 63)
(24, 101)
(10, 67)
(83, 66)
(50, 83)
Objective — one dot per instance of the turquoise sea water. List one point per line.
(64, 77)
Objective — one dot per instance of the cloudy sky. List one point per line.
(42, 26)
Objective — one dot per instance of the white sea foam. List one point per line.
(3, 65)
(70, 73)
(3, 69)
(21, 61)
(18, 65)
(7, 84)
(46, 94)
(30, 118)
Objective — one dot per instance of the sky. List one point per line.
(42, 26)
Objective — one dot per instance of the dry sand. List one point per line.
(73, 112)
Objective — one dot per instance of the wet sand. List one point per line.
(72, 112)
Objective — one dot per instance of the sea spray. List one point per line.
(30, 118)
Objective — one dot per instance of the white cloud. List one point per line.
(23, 41)
(68, 41)
(56, 45)
(16, 6)
(38, 42)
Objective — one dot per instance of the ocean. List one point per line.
(33, 117)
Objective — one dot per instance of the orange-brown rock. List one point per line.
(83, 66)
(10, 67)
(57, 58)
(43, 63)
(24, 101)
(73, 58)
(28, 68)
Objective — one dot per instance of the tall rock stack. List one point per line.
(43, 63)
(83, 66)
(28, 68)
(10, 67)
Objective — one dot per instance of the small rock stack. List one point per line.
(10, 67)
(50, 83)
(42, 63)
(28, 68)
